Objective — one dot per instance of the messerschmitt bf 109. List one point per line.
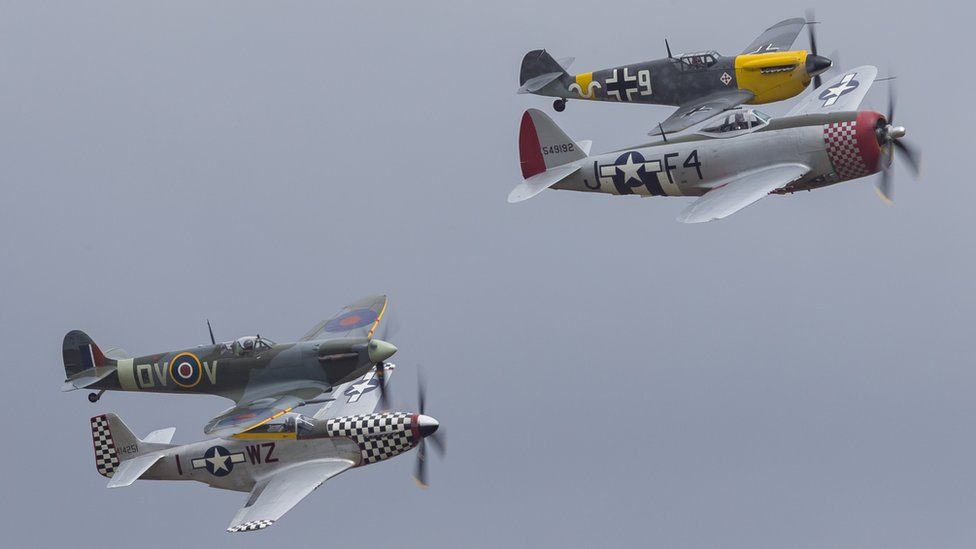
(731, 160)
(699, 84)
(280, 462)
(264, 378)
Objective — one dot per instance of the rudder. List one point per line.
(537, 63)
(543, 145)
(80, 353)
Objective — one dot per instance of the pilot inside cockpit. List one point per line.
(249, 345)
(738, 121)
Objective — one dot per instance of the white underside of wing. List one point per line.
(275, 496)
(741, 191)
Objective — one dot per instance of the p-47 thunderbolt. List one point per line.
(265, 379)
(731, 160)
(699, 84)
(280, 462)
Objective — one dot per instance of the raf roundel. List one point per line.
(350, 320)
(185, 370)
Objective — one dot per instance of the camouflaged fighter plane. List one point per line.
(265, 379)
(280, 462)
(730, 160)
(699, 84)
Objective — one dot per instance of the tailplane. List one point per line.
(547, 155)
(122, 456)
(84, 362)
(539, 70)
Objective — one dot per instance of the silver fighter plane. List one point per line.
(730, 160)
(278, 463)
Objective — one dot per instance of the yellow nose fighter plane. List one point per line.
(700, 84)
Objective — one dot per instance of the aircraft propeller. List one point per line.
(428, 430)
(816, 64)
(890, 136)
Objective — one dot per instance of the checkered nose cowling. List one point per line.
(379, 436)
(852, 145)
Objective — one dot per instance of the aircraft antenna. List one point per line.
(663, 135)
(209, 328)
(668, 46)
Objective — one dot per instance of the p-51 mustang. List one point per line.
(265, 379)
(279, 463)
(699, 84)
(731, 160)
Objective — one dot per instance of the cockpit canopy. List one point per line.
(250, 344)
(735, 122)
(699, 60)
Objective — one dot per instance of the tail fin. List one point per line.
(543, 145)
(80, 353)
(115, 443)
(538, 70)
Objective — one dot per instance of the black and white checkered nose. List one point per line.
(426, 425)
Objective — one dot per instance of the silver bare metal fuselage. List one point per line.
(691, 165)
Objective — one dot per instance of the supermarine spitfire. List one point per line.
(279, 462)
(699, 84)
(265, 379)
(730, 160)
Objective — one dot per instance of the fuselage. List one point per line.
(835, 147)
(239, 462)
(224, 370)
(772, 76)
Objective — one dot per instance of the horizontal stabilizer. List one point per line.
(161, 436)
(540, 182)
(129, 471)
(86, 378)
(535, 84)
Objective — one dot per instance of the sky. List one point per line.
(799, 374)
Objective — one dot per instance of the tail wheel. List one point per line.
(559, 105)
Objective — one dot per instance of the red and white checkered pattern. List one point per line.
(840, 139)
(106, 457)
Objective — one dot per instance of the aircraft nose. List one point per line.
(817, 64)
(427, 425)
(380, 350)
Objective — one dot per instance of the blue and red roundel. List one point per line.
(350, 320)
(185, 370)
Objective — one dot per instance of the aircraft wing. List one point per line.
(276, 495)
(255, 411)
(359, 319)
(779, 37)
(843, 92)
(356, 397)
(741, 191)
(698, 111)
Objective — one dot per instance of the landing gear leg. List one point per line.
(559, 105)
(93, 397)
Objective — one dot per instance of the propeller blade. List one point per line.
(383, 403)
(811, 21)
(884, 186)
(420, 467)
(439, 441)
(421, 390)
(891, 103)
(909, 154)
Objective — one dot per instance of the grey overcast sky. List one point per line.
(798, 375)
